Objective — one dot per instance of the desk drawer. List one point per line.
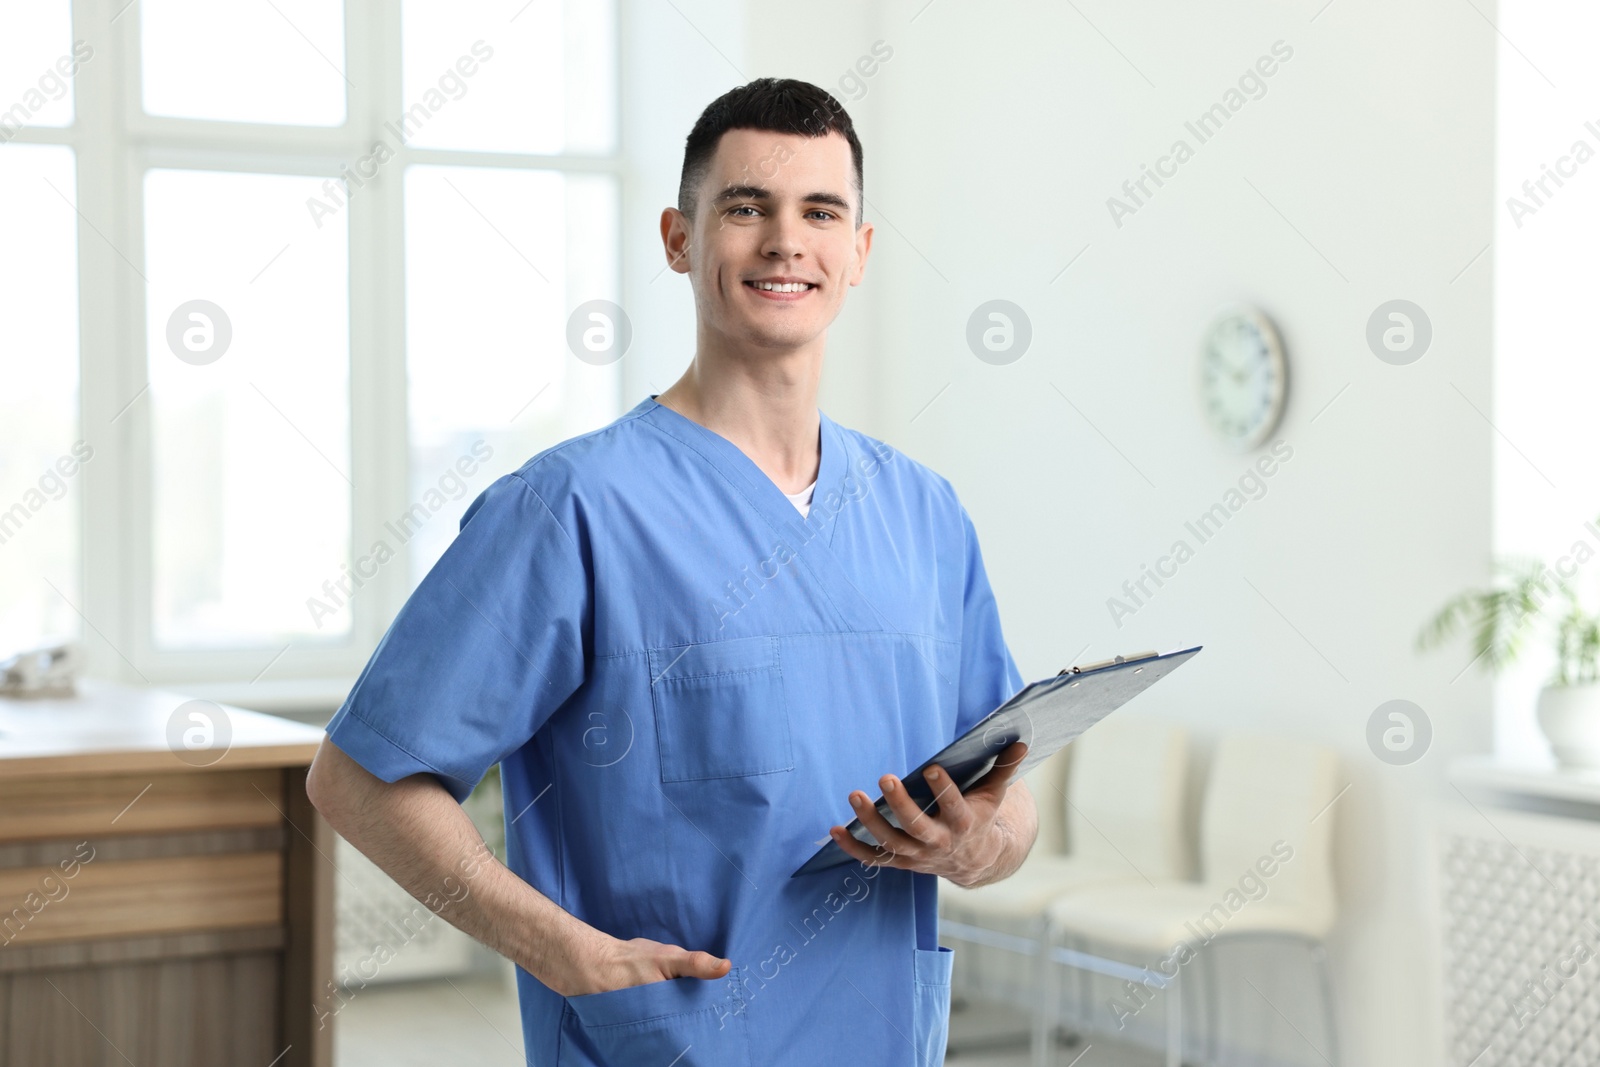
(105, 898)
(79, 808)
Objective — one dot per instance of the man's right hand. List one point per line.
(620, 964)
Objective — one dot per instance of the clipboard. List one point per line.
(1046, 714)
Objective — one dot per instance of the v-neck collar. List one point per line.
(759, 490)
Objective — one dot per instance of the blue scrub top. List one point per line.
(682, 680)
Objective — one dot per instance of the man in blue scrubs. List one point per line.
(694, 640)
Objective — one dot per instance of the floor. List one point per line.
(473, 1021)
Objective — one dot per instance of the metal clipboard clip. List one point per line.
(1103, 664)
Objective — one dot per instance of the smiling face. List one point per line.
(774, 244)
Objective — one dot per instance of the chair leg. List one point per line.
(1319, 960)
(1042, 1037)
(1085, 983)
(1175, 1023)
(1213, 995)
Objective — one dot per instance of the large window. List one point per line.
(1547, 371)
(283, 286)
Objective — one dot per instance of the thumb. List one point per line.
(1005, 765)
(1012, 757)
(686, 964)
(1000, 776)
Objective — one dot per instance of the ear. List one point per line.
(863, 246)
(675, 230)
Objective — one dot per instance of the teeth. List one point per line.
(787, 287)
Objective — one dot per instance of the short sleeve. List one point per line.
(489, 645)
(989, 675)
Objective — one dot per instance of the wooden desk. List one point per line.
(165, 892)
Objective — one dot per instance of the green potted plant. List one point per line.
(1528, 598)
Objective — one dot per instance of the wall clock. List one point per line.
(1244, 377)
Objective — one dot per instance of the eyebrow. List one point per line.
(757, 192)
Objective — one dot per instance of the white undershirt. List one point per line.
(802, 499)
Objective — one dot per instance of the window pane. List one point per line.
(248, 338)
(278, 62)
(41, 446)
(496, 262)
(1546, 275)
(37, 61)
(1545, 377)
(509, 75)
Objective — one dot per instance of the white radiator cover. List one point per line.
(1519, 938)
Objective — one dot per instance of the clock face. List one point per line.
(1243, 377)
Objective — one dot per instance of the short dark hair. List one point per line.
(783, 105)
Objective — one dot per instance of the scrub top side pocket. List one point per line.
(720, 710)
(686, 1022)
(931, 968)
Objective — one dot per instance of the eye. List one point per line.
(741, 207)
(820, 211)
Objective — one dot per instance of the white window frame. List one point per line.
(114, 145)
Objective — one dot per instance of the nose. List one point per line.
(781, 240)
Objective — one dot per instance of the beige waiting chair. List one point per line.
(1120, 815)
(1266, 796)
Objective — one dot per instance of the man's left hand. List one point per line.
(961, 843)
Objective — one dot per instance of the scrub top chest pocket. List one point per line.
(720, 710)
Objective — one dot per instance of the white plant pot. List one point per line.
(1569, 715)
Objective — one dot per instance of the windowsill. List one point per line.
(1528, 778)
